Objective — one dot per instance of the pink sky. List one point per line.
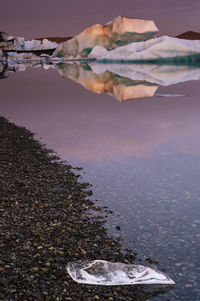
(64, 18)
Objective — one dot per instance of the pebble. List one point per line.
(46, 230)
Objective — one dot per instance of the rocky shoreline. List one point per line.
(44, 225)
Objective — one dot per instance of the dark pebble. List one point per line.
(44, 225)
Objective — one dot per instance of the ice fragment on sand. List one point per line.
(101, 272)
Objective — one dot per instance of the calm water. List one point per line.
(141, 155)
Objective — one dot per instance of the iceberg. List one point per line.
(101, 272)
(120, 31)
(6, 41)
(32, 45)
(163, 48)
(11, 43)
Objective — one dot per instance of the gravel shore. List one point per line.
(44, 225)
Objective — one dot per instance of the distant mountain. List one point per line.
(57, 40)
(189, 35)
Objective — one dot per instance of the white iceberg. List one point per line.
(164, 47)
(101, 272)
(39, 45)
(32, 45)
(118, 32)
(20, 44)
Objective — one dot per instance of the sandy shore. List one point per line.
(44, 225)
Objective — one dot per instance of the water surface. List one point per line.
(142, 156)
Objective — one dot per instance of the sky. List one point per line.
(43, 18)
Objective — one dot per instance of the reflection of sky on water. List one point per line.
(142, 156)
(156, 205)
(97, 126)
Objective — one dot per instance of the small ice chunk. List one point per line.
(171, 95)
(101, 272)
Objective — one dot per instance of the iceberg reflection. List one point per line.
(121, 87)
(122, 81)
(127, 81)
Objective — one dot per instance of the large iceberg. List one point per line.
(163, 48)
(101, 272)
(120, 31)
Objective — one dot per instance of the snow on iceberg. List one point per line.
(102, 272)
(164, 47)
(120, 31)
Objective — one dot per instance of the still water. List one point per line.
(136, 133)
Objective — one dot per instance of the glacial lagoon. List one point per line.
(140, 151)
